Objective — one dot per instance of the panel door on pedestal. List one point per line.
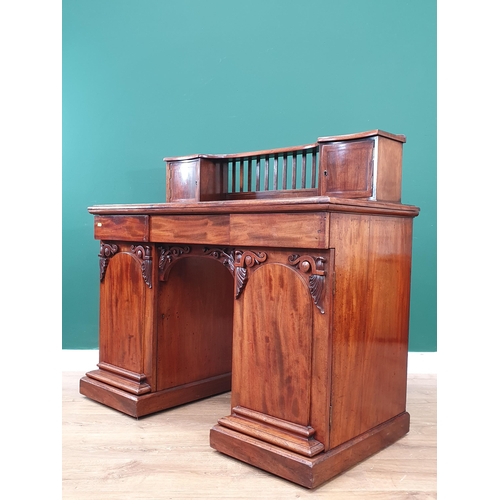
(126, 305)
(281, 349)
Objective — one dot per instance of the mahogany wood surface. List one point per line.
(299, 304)
(122, 227)
(255, 205)
(213, 229)
(370, 321)
(192, 320)
(366, 165)
(308, 472)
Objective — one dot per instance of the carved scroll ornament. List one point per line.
(243, 260)
(223, 255)
(314, 267)
(168, 255)
(106, 252)
(143, 253)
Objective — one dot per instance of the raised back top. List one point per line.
(363, 135)
(365, 165)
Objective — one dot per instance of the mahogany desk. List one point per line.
(281, 275)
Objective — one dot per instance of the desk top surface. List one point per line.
(302, 204)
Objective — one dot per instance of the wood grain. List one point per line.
(122, 227)
(195, 325)
(210, 230)
(272, 356)
(280, 230)
(372, 265)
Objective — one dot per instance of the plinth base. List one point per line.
(145, 404)
(308, 472)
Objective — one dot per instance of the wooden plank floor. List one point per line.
(109, 455)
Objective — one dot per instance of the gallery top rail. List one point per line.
(365, 165)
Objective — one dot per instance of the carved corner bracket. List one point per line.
(143, 253)
(244, 260)
(106, 252)
(223, 255)
(168, 255)
(314, 267)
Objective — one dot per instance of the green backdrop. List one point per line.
(155, 78)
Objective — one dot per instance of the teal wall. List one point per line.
(153, 78)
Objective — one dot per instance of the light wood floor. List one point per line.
(109, 455)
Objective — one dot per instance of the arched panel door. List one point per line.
(122, 321)
(273, 351)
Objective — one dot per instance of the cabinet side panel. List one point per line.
(389, 170)
(370, 327)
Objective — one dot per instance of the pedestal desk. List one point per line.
(281, 275)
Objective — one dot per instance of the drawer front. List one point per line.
(280, 230)
(121, 227)
(202, 229)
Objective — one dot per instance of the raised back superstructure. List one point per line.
(365, 165)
